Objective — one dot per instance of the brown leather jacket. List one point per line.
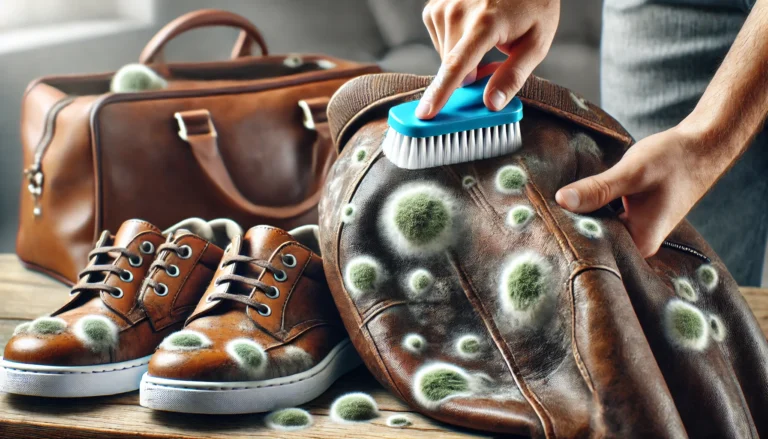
(488, 306)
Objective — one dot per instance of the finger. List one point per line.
(592, 193)
(427, 19)
(437, 23)
(487, 69)
(459, 63)
(512, 74)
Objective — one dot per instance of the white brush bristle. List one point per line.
(463, 146)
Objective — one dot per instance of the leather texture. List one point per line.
(94, 159)
(479, 301)
(142, 315)
(301, 328)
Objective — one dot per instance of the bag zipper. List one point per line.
(686, 249)
(34, 173)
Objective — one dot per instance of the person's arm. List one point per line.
(662, 177)
(463, 31)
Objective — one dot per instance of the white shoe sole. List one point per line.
(229, 398)
(72, 381)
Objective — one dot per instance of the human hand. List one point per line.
(463, 31)
(660, 179)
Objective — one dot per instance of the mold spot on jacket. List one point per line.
(348, 213)
(363, 274)
(97, 332)
(525, 286)
(289, 419)
(399, 421)
(684, 289)
(418, 219)
(420, 281)
(47, 326)
(435, 383)
(468, 181)
(414, 343)
(354, 408)
(248, 354)
(469, 346)
(510, 179)
(185, 341)
(360, 155)
(716, 328)
(589, 228)
(519, 216)
(707, 276)
(686, 325)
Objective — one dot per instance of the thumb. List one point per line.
(592, 193)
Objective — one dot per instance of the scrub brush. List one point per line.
(465, 130)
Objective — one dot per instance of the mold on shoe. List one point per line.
(399, 421)
(249, 355)
(469, 346)
(420, 281)
(686, 326)
(363, 275)
(22, 328)
(519, 216)
(511, 179)
(136, 78)
(525, 287)
(435, 383)
(414, 343)
(97, 332)
(42, 326)
(707, 276)
(354, 408)
(418, 219)
(684, 289)
(290, 419)
(185, 340)
(590, 228)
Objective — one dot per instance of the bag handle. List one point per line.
(205, 18)
(196, 128)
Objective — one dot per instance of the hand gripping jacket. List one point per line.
(474, 297)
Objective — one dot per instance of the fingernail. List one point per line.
(498, 99)
(570, 198)
(423, 109)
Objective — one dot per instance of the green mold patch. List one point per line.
(248, 354)
(414, 343)
(686, 325)
(185, 341)
(418, 219)
(399, 421)
(22, 328)
(421, 218)
(525, 288)
(136, 78)
(511, 179)
(435, 383)
(468, 182)
(348, 213)
(685, 289)
(469, 346)
(97, 332)
(716, 328)
(519, 216)
(360, 155)
(420, 281)
(362, 275)
(589, 228)
(290, 419)
(354, 408)
(707, 276)
(47, 326)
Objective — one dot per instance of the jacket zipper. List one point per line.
(686, 249)
(34, 173)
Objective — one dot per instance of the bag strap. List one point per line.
(196, 127)
(205, 18)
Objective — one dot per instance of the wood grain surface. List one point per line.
(25, 295)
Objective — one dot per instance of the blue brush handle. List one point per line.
(464, 111)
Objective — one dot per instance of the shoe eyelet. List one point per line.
(147, 248)
(118, 294)
(161, 289)
(289, 260)
(126, 276)
(185, 252)
(265, 311)
(136, 262)
(273, 293)
(280, 275)
(173, 270)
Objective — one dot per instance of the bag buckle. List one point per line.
(195, 122)
(314, 111)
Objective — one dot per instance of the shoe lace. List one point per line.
(104, 269)
(266, 289)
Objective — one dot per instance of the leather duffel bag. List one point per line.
(245, 139)
(496, 309)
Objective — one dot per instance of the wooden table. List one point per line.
(25, 295)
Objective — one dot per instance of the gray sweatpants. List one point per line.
(657, 59)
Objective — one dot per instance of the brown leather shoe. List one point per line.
(139, 286)
(266, 334)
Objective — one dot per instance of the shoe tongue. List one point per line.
(130, 229)
(261, 241)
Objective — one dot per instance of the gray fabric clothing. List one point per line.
(657, 59)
